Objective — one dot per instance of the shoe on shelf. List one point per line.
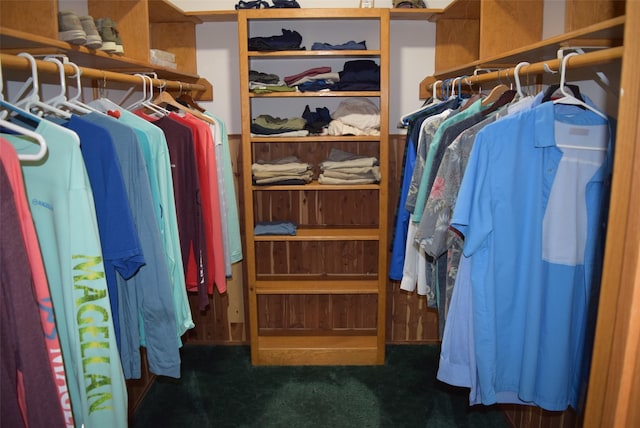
(110, 38)
(70, 28)
(94, 41)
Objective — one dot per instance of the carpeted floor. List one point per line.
(220, 388)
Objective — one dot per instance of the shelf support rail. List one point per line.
(18, 63)
(579, 61)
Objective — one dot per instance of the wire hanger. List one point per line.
(569, 98)
(32, 99)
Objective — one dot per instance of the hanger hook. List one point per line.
(516, 76)
(34, 72)
(77, 76)
(563, 72)
(434, 92)
(144, 85)
(61, 73)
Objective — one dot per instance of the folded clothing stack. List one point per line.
(265, 124)
(347, 168)
(163, 58)
(287, 170)
(355, 116)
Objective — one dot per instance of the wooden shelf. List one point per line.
(307, 53)
(14, 41)
(415, 14)
(318, 350)
(315, 139)
(314, 185)
(608, 33)
(325, 234)
(316, 285)
(316, 94)
(142, 25)
(426, 14)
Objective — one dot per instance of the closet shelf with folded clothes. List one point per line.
(332, 182)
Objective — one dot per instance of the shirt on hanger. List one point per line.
(9, 160)
(63, 211)
(27, 392)
(146, 295)
(531, 311)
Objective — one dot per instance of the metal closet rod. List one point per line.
(583, 60)
(20, 63)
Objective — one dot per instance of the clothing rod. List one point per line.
(20, 63)
(582, 60)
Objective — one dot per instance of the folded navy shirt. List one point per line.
(289, 40)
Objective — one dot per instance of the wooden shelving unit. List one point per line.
(316, 297)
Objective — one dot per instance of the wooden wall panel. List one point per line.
(528, 416)
(582, 13)
(506, 25)
(340, 313)
(457, 41)
(179, 39)
(43, 23)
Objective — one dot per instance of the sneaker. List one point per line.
(94, 41)
(70, 28)
(110, 38)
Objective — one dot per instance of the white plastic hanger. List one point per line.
(60, 100)
(568, 97)
(76, 98)
(516, 75)
(19, 129)
(28, 133)
(32, 99)
(146, 99)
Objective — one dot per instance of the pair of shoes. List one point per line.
(78, 30)
(111, 41)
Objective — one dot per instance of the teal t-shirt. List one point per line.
(233, 224)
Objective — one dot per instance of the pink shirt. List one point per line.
(9, 159)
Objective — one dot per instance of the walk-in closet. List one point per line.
(319, 212)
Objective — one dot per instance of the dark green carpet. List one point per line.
(220, 388)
